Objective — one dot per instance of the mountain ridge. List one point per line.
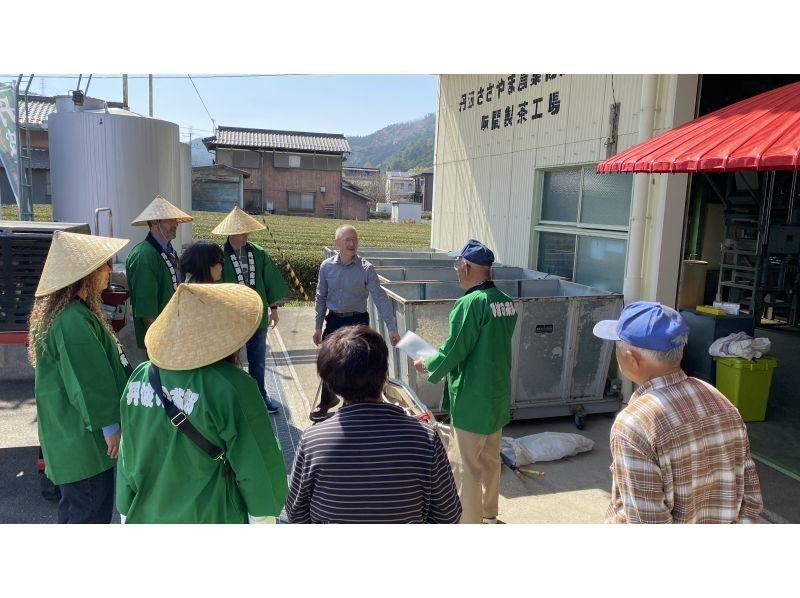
(398, 146)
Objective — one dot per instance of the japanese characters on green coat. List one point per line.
(164, 477)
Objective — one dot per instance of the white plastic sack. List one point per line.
(545, 446)
(739, 344)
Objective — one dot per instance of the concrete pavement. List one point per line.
(573, 490)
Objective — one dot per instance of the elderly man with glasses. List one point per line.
(476, 358)
(345, 282)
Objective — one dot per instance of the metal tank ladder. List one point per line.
(745, 265)
(741, 257)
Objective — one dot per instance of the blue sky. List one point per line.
(349, 104)
(359, 38)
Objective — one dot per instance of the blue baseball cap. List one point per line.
(476, 252)
(646, 325)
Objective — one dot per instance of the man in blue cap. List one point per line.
(476, 358)
(680, 449)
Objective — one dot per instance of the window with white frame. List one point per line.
(583, 226)
(301, 201)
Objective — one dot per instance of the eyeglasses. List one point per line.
(460, 261)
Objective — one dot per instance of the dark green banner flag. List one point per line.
(9, 156)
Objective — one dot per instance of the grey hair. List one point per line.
(670, 357)
(474, 265)
(342, 228)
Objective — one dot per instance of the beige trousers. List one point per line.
(475, 459)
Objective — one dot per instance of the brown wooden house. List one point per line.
(291, 172)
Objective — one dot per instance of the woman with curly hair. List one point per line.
(202, 262)
(79, 375)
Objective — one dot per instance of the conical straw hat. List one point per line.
(237, 222)
(203, 323)
(73, 256)
(161, 209)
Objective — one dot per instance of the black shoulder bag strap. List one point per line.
(179, 420)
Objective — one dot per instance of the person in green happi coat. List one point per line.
(249, 264)
(476, 357)
(80, 371)
(163, 475)
(152, 265)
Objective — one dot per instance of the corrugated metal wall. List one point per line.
(486, 183)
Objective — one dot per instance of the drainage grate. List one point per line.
(287, 433)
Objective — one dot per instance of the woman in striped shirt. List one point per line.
(370, 462)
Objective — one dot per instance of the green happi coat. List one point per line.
(78, 381)
(476, 357)
(270, 285)
(150, 285)
(163, 477)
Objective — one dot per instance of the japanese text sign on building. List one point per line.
(9, 156)
(493, 99)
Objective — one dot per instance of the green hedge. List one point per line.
(301, 239)
(305, 264)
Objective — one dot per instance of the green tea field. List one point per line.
(296, 239)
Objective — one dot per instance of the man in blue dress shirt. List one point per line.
(345, 282)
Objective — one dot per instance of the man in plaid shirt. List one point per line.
(680, 449)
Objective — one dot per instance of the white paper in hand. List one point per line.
(415, 346)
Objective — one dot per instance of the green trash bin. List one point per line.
(746, 384)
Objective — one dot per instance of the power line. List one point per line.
(213, 123)
(249, 76)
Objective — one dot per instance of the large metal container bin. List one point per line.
(559, 366)
(421, 253)
(446, 273)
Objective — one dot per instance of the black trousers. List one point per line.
(88, 501)
(332, 324)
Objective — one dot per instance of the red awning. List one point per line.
(759, 133)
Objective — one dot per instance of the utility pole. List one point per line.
(150, 80)
(125, 91)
